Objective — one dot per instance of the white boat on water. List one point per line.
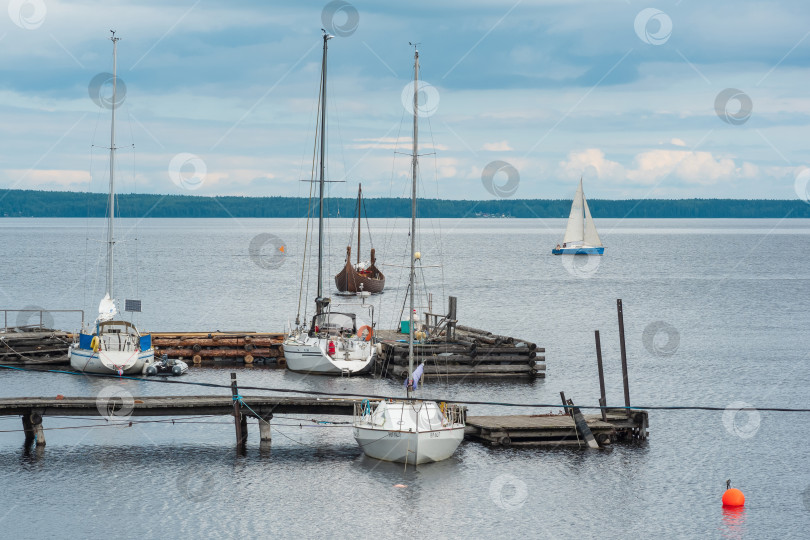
(411, 430)
(580, 237)
(111, 345)
(334, 343)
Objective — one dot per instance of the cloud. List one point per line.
(502, 146)
(654, 166)
(677, 142)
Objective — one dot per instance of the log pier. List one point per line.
(470, 354)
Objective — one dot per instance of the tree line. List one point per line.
(29, 203)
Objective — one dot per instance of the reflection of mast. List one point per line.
(414, 164)
(111, 202)
(319, 301)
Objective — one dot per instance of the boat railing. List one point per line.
(40, 325)
(453, 413)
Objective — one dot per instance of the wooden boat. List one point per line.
(361, 276)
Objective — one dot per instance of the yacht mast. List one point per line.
(413, 209)
(111, 202)
(359, 198)
(319, 299)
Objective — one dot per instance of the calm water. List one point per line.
(715, 314)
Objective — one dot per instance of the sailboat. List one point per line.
(411, 430)
(580, 237)
(361, 276)
(332, 344)
(111, 345)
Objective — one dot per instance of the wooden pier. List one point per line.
(557, 429)
(510, 430)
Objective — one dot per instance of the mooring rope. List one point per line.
(339, 395)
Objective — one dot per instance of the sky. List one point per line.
(672, 99)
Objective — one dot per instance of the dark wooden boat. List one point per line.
(360, 277)
(355, 278)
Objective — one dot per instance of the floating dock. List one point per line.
(200, 347)
(35, 347)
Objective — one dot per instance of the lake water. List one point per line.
(715, 313)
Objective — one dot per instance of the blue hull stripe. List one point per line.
(579, 251)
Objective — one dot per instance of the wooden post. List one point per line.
(582, 426)
(602, 397)
(451, 316)
(625, 381)
(39, 432)
(28, 427)
(565, 403)
(238, 420)
(264, 429)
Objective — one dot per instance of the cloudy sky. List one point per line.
(644, 100)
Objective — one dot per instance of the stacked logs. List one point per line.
(40, 347)
(473, 354)
(202, 347)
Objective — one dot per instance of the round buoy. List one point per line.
(733, 497)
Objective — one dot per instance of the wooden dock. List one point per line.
(510, 430)
(50, 347)
(556, 429)
(468, 354)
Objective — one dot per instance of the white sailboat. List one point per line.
(332, 344)
(111, 345)
(581, 237)
(409, 431)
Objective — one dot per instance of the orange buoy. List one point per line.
(733, 497)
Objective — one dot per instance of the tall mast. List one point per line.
(413, 208)
(111, 202)
(319, 299)
(359, 195)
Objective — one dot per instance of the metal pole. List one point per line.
(625, 381)
(603, 398)
(413, 211)
(326, 38)
(111, 203)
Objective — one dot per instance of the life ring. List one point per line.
(94, 343)
(369, 335)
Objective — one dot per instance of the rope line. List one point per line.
(399, 398)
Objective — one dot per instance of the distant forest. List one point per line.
(26, 203)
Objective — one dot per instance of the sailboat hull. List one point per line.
(129, 362)
(409, 447)
(306, 354)
(579, 251)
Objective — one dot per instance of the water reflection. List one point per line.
(733, 522)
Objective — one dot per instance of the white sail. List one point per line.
(591, 236)
(574, 232)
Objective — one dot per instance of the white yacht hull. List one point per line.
(409, 447)
(306, 354)
(128, 362)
